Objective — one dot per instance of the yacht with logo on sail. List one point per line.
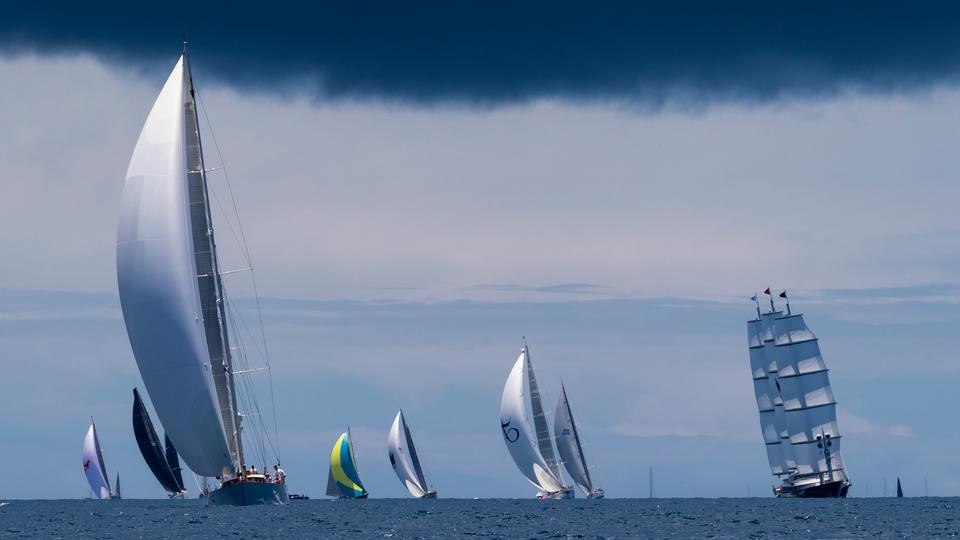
(406, 460)
(798, 416)
(571, 449)
(160, 459)
(343, 479)
(176, 309)
(94, 469)
(535, 457)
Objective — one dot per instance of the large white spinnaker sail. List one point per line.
(516, 431)
(93, 466)
(157, 278)
(809, 405)
(569, 446)
(404, 458)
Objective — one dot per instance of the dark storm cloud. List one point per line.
(490, 53)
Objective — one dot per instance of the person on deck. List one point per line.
(279, 474)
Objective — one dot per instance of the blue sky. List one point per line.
(406, 234)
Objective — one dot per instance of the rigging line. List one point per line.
(248, 384)
(253, 277)
(246, 391)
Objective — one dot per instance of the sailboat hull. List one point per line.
(566, 493)
(248, 494)
(829, 490)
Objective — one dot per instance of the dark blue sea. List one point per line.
(489, 518)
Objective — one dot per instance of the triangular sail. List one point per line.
(174, 463)
(150, 449)
(158, 284)
(404, 458)
(516, 431)
(344, 480)
(544, 440)
(413, 454)
(899, 488)
(116, 493)
(93, 467)
(569, 446)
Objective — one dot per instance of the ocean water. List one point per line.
(488, 518)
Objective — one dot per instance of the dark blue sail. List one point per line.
(153, 452)
(173, 462)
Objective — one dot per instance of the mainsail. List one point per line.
(153, 453)
(404, 458)
(808, 402)
(516, 430)
(766, 394)
(116, 494)
(544, 440)
(343, 479)
(93, 467)
(568, 445)
(169, 284)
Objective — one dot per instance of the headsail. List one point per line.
(808, 402)
(404, 458)
(153, 453)
(343, 479)
(174, 463)
(568, 445)
(516, 431)
(157, 277)
(93, 467)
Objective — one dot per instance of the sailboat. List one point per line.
(163, 462)
(93, 467)
(405, 460)
(343, 480)
(534, 457)
(798, 415)
(570, 449)
(899, 489)
(116, 492)
(174, 304)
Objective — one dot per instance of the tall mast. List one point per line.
(208, 272)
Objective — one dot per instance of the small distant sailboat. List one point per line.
(534, 457)
(343, 480)
(570, 449)
(163, 462)
(899, 488)
(116, 493)
(175, 307)
(798, 412)
(93, 466)
(406, 461)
